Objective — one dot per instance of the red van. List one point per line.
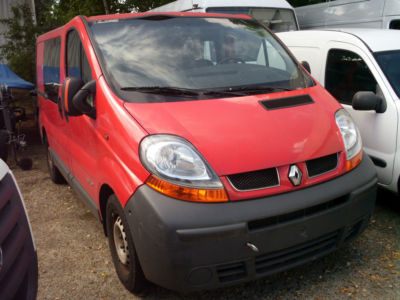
(209, 154)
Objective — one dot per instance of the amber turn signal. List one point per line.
(354, 162)
(186, 193)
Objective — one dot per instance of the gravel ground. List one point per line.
(75, 262)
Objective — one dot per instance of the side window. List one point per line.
(346, 74)
(77, 64)
(51, 67)
(395, 24)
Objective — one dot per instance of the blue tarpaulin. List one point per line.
(8, 77)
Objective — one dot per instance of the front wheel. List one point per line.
(122, 247)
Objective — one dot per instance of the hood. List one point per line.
(239, 134)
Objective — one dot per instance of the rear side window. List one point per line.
(347, 74)
(51, 67)
(77, 64)
(395, 24)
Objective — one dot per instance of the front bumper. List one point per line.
(187, 246)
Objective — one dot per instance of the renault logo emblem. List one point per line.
(295, 175)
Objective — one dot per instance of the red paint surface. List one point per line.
(239, 135)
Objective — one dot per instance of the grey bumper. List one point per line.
(188, 246)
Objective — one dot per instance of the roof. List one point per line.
(8, 77)
(175, 14)
(376, 39)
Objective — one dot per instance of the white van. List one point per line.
(278, 15)
(348, 62)
(350, 13)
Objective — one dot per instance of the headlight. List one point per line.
(351, 137)
(177, 167)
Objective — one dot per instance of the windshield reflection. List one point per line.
(192, 53)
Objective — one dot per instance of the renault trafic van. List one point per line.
(209, 154)
(361, 69)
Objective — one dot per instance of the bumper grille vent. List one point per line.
(266, 222)
(255, 180)
(322, 165)
(290, 257)
(231, 272)
(18, 274)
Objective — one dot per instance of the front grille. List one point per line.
(270, 221)
(322, 165)
(231, 272)
(255, 180)
(18, 273)
(290, 257)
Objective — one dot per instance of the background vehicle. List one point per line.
(278, 15)
(18, 258)
(164, 144)
(350, 13)
(348, 61)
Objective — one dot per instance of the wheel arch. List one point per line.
(105, 192)
(43, 134)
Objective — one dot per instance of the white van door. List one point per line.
(348, 70)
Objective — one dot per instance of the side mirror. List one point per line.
(75, 96)
(368, 101)
(83, 99)
(306, 66)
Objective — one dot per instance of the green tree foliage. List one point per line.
(20, 47)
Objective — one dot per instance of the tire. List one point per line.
(122, 248)
(3, 145)
(55, 174)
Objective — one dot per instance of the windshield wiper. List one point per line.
(235, 91)
(252, 89)
(245, 90)
(162, 90)
(223, 93)
(182, 91)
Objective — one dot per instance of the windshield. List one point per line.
(276, 19)
(389, 61)
(155, 59)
